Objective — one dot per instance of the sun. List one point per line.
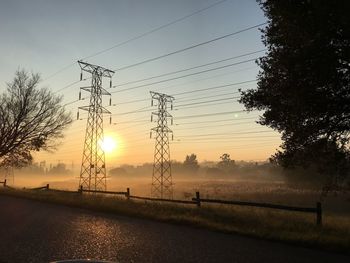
(109, 144)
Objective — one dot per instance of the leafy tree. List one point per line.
(303, 86)
(191, 163)
(31, 119)
(226, 164)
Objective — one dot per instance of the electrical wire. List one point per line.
(209, 114)
(137, 37)
(155, 29)
(184, 76)
(214, 121)
(191, 47)
(224, 134)
(214, 127)
(187, 69)
(215, 87)
(208, 101)
(183, 99)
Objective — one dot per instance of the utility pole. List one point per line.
(162, 185)
(93, 166)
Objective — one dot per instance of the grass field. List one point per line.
(292, 227)
(257, 190)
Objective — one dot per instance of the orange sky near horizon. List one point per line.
(134, 146)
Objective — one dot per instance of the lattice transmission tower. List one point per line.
(162, 185)
(93, 166)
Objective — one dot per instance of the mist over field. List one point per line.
(248, 181)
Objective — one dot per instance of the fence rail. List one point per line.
(163, 200)
(102, 192)
(47, 187)
(196, 200)
(317, 210)
(63, 191)
(126, 194)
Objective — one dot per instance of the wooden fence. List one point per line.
(197, 200)
(4, 183)
(317, 210)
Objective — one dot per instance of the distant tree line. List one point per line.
(191, 168)
(41, 169)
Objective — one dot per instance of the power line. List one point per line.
(233, 136)
(131, 101)
(221, 134)
(184, 76)
(193, 91)
(206, 78)
(181, 93)
(67, 86)
(202, 106)
(137, 37)
(244, 146)
(214, 121)
(190, 47)
(184, 117)
(155, 29)
(138, 120)
(215, 87)
(206, 97)
(60, 70)
(204, 102)
(210, 114)
(143, 109)
(181, 141)
(145, 121)
(211, 126)
(146, 109)
(228, 139)
(187, 69)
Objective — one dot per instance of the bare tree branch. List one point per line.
(31, 119)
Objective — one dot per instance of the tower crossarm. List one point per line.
(94, 69)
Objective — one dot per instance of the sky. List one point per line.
(48, 37)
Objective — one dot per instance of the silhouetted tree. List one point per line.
(226, 164)
(191, 164)
(304, 83)
(31, 119)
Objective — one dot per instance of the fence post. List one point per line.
(47, 186)
(319, 213)
(198, 199)
(127, 193)
(5, 183)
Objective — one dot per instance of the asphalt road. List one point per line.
(31, 231)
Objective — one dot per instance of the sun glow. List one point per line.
(109, 144)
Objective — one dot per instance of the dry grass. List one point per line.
(293, 227)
